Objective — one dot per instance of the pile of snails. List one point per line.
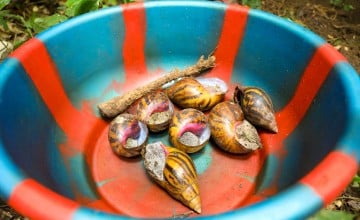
(192, 111)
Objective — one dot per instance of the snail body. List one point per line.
(257, 107)
(174, 171)
(127, 135)
(231, 131)
(189, 130)
(155, 110)
(199, 93)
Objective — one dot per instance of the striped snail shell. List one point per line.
(127, 135)
(231, 131)
(189, 130)
(155, 110)
(199, 93)
(257, 107)
(174, 171)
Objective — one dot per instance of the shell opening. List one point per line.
(130, 132)
(143, 134)
(137, 138)
(247, 135)
(156, 107)
(194, 134)
(214, 84)
(161, 115)
(155, 159)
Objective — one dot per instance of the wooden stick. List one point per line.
(119, 104)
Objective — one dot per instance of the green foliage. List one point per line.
(252, 3)
(40, 23)
(5, 15)
(127, 1)
(325, 214)
(356, 181)
(33, 23)
(3, 22)
(336, 2)
(107, 3)
(36, 23)
(4, 3)
(78, 7)
(342, 4)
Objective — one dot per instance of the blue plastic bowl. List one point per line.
(55, 162)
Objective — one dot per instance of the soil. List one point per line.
(337, 21)
(338, 25)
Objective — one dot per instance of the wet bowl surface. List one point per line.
(56, 162)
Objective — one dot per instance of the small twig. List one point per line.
(119, 104)
(324, 13)
(346, 26)
(349, 197)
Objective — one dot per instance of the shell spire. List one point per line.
(257, 107)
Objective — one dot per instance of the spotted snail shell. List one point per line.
(174, 171)
(257, 106)
(199, 93)
(189, 130)
(156, 110)
(127, 135)
(231, 131)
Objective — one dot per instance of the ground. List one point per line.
(337, 21)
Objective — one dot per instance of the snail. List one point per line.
(199, 93)
(231, 131)
(189, 130)
(155, 110)
(257, 107)
(174, 171)
(127, 135)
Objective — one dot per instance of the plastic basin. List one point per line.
(55, 160)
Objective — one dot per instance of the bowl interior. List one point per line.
(50, 88)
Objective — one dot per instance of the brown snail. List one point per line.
(231, 131)
(174, 171)
(199, 93)
(257, 107)
(189, 130)
(155, 110)
(127, 135)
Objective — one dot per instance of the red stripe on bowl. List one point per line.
(31, 199)
(331, 176)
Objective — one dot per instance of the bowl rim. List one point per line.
(346, 152)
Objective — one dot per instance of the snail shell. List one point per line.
(127, 135)
(257, 106)
(231, 131)
(155, 110)
(174, 171)
(189, 130)
(199, 93)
